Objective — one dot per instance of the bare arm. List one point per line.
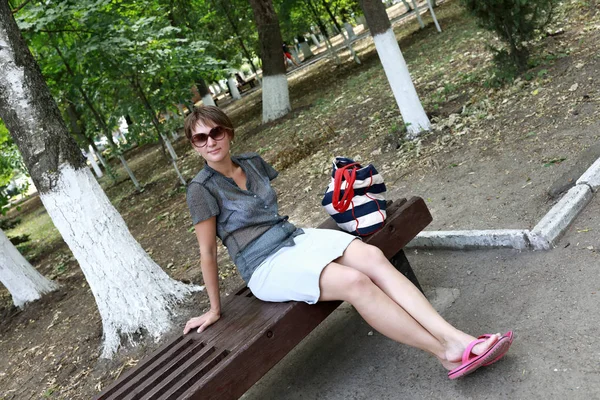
(206, 232)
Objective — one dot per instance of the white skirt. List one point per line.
(292, 273)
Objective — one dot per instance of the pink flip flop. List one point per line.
(471, 362)
(508, 335)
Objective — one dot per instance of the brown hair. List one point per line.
(208, 115)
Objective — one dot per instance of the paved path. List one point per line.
(549, 298)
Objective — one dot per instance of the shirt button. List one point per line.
(266, 206)
(254, 196)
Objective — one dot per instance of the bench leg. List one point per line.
(400, 262)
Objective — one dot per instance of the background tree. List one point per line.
(131, 290)
(516, 23)
(23, 282)
(275, 94)
(395, 67)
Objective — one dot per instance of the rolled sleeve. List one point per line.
(269, 170)
(201, 203)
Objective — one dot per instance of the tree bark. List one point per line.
(164, 139)
(140, 91)
(24, 283)
(313, 10)
(204, 92)
(76, 128)
(275, 95)
(395, 68)
(233, 90)
(101, 122)
(131, 290)
(347, 41)
(236, 31)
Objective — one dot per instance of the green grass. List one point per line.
(42, 233)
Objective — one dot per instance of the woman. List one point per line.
(231, 198)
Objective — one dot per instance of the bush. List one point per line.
(516, 22)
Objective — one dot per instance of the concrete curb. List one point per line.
(542, 237)
(591, 177)
(558, 219)
(511, 238)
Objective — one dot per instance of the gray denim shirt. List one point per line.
(248, 221)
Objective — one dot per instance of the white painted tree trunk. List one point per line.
(173, 158)
(295, 55)
(421, 24)
(215, 88)
(235, 93)
(435, 21)
(169, 147)
(102, 160)
(23, 282)
(92, 160)
(275, 96)
(349, 30)
(408, 7)
(131, 290)
(314, 39)
(306, 51)
(208, 100)
(137, 185)
(398, 76)
(332, 52)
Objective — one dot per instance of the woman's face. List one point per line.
(214, 150)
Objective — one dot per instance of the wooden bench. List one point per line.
(252, 336)
(241, 83)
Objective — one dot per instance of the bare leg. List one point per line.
(372, 262)
(339, 282)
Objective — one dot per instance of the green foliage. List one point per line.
(516, 22)
(297, 16)
(11, 166)
(136, 58)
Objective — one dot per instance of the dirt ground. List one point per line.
(488, 163)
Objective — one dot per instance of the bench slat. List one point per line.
(251, 336)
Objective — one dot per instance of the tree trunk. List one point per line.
(395, 68)
(131, 290)
(339, 28)
(315, 40)
(233, 90)
(140, 91)
(236, 31)
(418, 13)
(95, 167)
(76, 128)
(306, 51)
(275, 95)
(23, 282)
(349, 30)
(101, 123)
(312, 9)
(164, 139)
(204, 92)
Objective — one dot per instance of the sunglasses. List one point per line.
(216, 133)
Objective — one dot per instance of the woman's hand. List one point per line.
(202, 322)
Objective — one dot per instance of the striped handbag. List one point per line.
(355, 197)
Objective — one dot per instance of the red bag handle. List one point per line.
(348, 172)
